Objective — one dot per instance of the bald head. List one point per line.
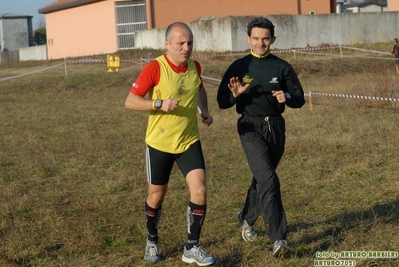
(171, 27)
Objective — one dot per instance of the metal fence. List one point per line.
(9, 56)
(131, 16)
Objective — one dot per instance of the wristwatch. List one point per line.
(158, 104)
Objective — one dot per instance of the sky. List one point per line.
(25, 7)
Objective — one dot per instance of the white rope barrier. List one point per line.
(86, 61)
(354, 96)
(30, 73)
(211, 79)
(92, 61)
(347, 56)
(365, 50)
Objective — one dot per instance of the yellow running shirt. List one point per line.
(174, 132)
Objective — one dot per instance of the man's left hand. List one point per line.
(207, 119)
(280, 96)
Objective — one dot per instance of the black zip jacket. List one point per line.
(264, 75)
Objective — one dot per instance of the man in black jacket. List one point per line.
(261, 85)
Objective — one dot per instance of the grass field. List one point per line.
(72, 167)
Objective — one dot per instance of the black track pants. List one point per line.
(263, 141)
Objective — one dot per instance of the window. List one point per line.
(131, 16)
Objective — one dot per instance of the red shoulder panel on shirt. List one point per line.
(147, 79)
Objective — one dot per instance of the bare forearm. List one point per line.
(135, 102)
(203, 100)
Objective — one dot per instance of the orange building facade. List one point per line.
(393, 5)
(163, 12)
(87, 27)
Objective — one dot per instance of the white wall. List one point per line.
(33, 53)
(292, 31)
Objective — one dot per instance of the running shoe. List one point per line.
(152, 252)
(198, 255)
(280, 248)
(248, 232)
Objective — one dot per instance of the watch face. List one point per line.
(158, 104)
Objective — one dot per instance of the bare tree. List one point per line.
(41, 24)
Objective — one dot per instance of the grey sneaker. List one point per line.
(152, 252)
(280, 248)
(248, 232)
(198, 255)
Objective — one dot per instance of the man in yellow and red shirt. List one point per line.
(175, 91)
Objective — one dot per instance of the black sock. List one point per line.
(152, 218)
(195, 219)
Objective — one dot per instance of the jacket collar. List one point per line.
(258, 56)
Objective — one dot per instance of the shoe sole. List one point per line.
(281, 252)
(246, 239)
(151, 261)
(190, 260)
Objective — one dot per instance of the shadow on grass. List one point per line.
(335, 228)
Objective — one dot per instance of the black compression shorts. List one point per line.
(159, 164)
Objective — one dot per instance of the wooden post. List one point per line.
(65, 67)
(294, 54)
(310, 101)
(340, 50)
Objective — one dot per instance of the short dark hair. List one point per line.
(260, 22)
(396, 39)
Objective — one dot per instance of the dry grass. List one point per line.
(73, 175)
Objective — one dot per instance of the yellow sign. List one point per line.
(113, 62)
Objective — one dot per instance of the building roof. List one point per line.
(14, 16)
(64, 4)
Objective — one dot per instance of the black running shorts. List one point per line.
(159, 164)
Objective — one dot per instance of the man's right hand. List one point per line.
(169, 105)
(236, 87)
